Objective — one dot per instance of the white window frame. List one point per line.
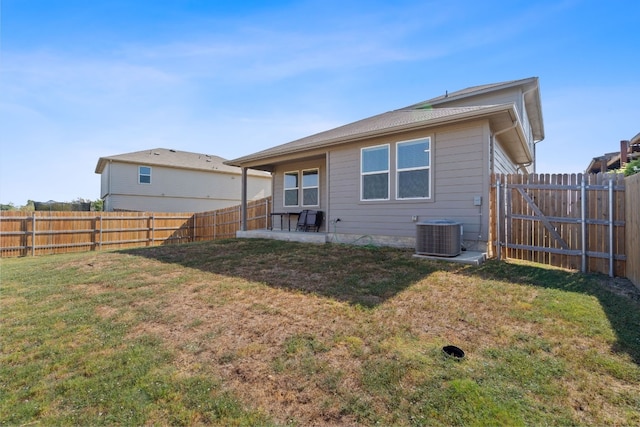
(140, 175)
(387, 171)
(317, 187)
(285, 189)
(399, 170)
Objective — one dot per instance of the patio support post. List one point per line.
(243, 205)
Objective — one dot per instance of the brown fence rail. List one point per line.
(572, 221)
(40, 233)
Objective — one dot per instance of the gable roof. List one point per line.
(424, 114)
(529, 86)
(173, 159)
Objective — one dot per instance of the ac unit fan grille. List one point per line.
(439, 237)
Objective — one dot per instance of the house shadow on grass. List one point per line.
(618, 297)
(369, 276)
(364, 276)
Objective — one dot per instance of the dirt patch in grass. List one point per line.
(244, 340)
(621, 286)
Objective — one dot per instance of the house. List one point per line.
(629, 151)
(162, 180)
(374, 179)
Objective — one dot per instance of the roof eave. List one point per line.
(514, 137)
(102, 163)
(533, 104)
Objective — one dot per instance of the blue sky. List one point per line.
(84, 79)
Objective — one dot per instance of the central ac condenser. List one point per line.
(440, 237)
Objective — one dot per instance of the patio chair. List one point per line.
(302, 221)
(313, 220)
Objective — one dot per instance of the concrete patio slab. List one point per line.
(466, 257)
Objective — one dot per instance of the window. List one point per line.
(374, 169)
(144, 175)
(413, 163)
(291, 188)
(310, 187)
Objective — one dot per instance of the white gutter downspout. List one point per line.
(243, 202)
(108, 196)
(327, 192)
(535, 163)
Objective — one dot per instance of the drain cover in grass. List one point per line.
(454, 351)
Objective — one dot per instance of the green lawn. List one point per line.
(257, 332)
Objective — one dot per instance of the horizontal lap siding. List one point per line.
(461, 174)
(460, 165)
(502, 164)
(167, 204)
(178, 190)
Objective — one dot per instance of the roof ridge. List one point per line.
(470, 91)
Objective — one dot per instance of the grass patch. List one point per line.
(257, 332)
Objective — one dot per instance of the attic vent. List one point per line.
(440, 237)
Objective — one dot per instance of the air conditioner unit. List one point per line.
(440, 237)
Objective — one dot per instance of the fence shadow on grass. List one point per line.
(619, 298)
(361, 277)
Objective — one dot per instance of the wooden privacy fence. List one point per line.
(573, 221)
(40, 233)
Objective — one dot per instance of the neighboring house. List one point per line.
(161, 180)
(431, 160)
(629, 151)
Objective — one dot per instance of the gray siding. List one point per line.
(165, 204)
(506, 96)
(459, 172)
(502, 163)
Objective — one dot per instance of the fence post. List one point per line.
(100, 241)
(151, 229)
(215, 224)
(508, 208)
(583, 222)
(498, 245)
(611, 226)
(33, 235)
(193, 233)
